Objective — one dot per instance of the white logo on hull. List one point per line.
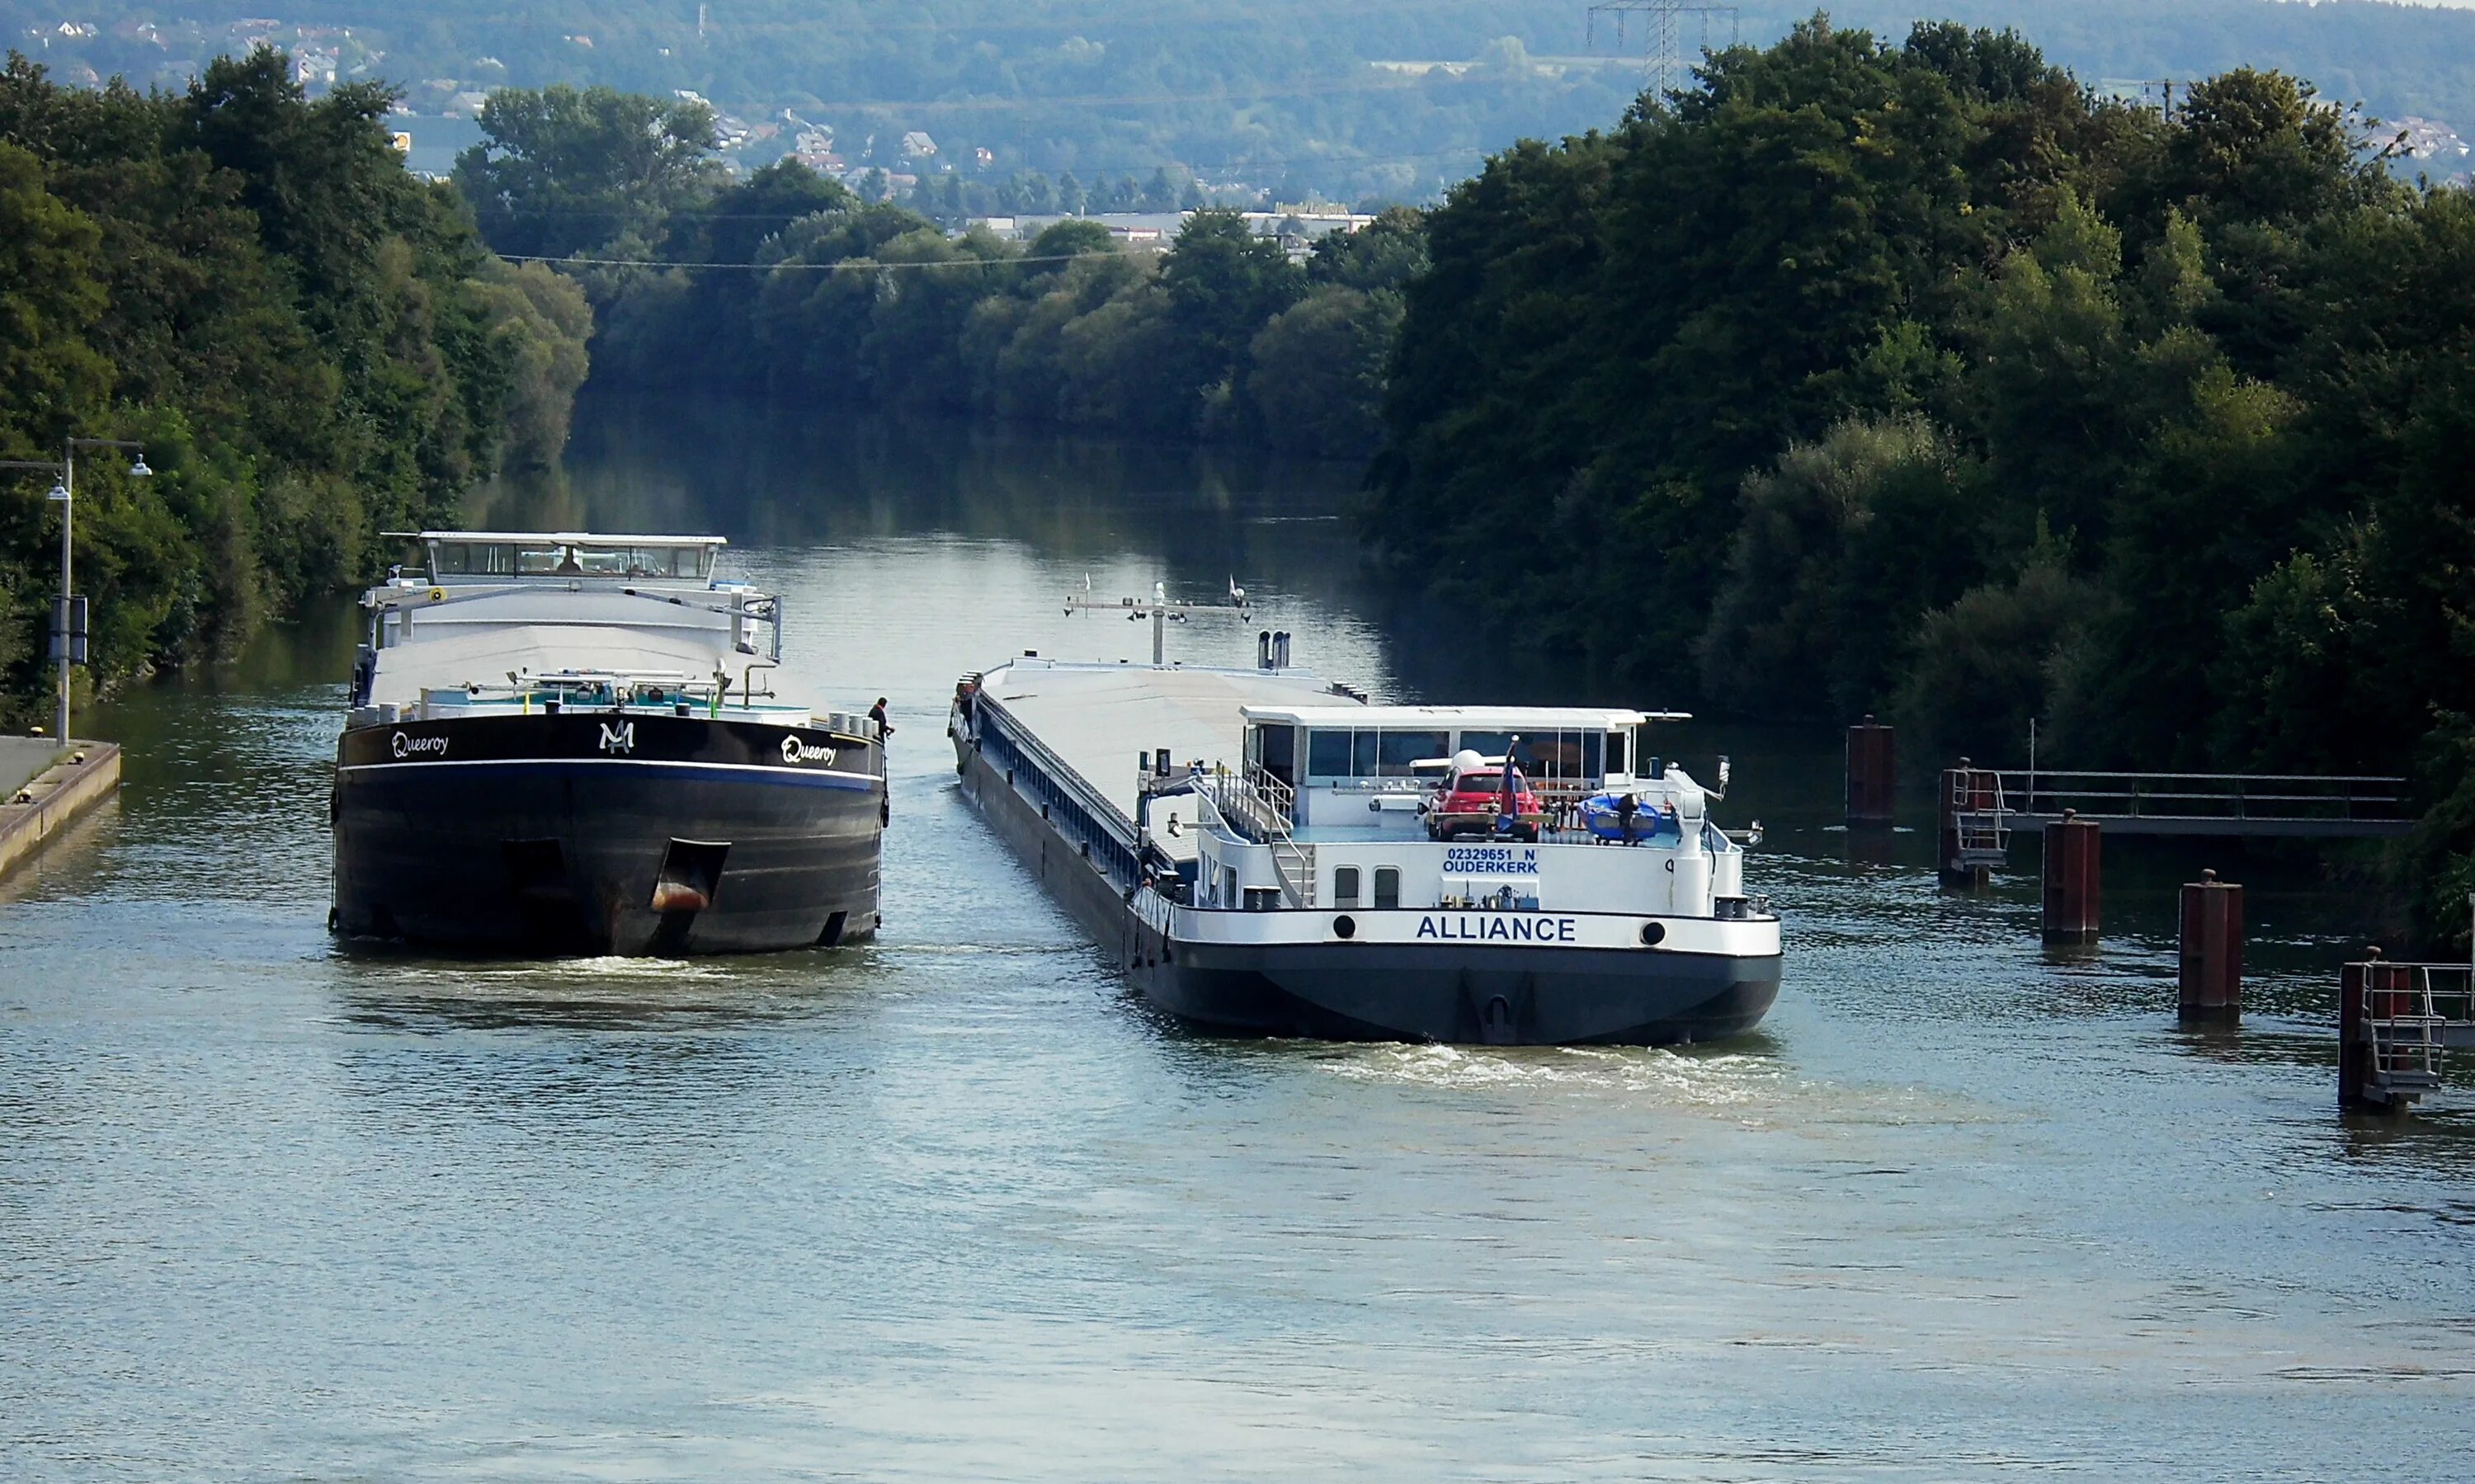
(794, 750)
(618, 738)
(418, 746)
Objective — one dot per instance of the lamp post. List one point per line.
(64, 494)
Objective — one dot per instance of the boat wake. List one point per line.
(1756, 1089)
(1723, 1080)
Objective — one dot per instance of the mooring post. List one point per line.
(2354, 1053)
(2213, 934)
(1872, 771)
(1947, 826)
(2071, 880)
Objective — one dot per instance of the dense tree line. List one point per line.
(311, 344)
(796, 287)
(1917, 379)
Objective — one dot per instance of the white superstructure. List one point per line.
(508, 622)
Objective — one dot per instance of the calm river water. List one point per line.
(954, 1206)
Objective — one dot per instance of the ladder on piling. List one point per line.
(1977, 815)
(2393, 1032)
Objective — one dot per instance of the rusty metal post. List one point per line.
(2213, 945)
(1872, 771)
(1947, 828)
(2353, 1053)
(2071, 879)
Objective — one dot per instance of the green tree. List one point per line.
(1840, 550)
(1386, 254)
(51, 379)
(562, 170)
(310, 341)
(1223, 284)
(1316, 371)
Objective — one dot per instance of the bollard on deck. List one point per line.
(1873, 760)
(2213, 947)
(2071, 879)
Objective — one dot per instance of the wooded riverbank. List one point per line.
(1922, 379)
(311, 344)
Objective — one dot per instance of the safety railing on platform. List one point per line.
(2395, 1022)
(1258, 807)
(2263, 797)
(1979, 810)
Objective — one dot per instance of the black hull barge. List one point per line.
(622, 783)
(535, 835)
(1301, 884)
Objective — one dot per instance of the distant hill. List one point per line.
(1277, 93)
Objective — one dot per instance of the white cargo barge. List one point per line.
(1266, 854)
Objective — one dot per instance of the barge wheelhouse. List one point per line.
(1267, 854)
(568, 743)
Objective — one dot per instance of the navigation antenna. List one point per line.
(1665, 60)
(1160, 610)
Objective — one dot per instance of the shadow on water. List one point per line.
(776, 475)
(385, 987)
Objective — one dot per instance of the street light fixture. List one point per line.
(66, 632)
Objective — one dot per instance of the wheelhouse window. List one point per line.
(1344, 885)
(1486, 744)
(1565, 756)
(1398, 750)
(1332, 753)
(1616, 752)
(568, 559)
(1280, 752)
(1387, 886)
(471, 559)
(555, 560)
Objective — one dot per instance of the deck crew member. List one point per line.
(877, 714)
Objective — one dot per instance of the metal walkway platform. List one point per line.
(2394, 1023)
(1988, 802)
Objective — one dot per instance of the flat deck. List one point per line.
(1105, 721)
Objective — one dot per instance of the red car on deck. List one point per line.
(1466, 803)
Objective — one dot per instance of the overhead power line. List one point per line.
(1098, 173)
(1348, 85)
(846, 265)
(1130, 17)
(1665, 61)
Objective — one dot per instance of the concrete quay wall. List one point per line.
(54, 797)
